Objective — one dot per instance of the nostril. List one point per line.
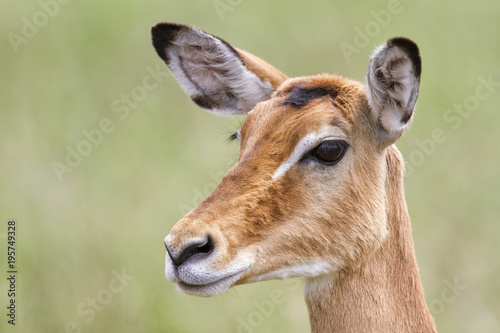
(205, 246)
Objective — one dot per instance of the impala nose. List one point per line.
(198, 248)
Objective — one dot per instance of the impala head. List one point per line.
(307, 196)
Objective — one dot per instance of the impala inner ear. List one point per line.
(393, 81)
(216, 76)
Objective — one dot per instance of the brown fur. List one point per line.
(385, 293)
(364, 222)
(343, 228)
(262, 69)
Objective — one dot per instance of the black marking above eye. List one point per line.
(328, 152)
(299, 97)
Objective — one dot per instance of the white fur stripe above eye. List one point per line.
(305, 144)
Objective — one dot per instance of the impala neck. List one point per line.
(385, 294)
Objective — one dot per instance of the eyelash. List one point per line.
(233, 137)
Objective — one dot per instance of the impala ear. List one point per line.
(393, 80)
(216, 76)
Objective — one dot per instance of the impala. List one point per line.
(317, 191)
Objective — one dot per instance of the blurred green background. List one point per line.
(107, 216)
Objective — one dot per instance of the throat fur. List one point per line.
(385, 294)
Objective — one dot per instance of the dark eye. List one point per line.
(330, 151)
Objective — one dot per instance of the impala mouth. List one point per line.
(199, 277)
(210, 288)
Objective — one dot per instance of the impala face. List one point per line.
(306, 197)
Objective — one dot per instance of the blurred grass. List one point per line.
(114, 209)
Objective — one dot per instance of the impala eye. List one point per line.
(330, 151)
